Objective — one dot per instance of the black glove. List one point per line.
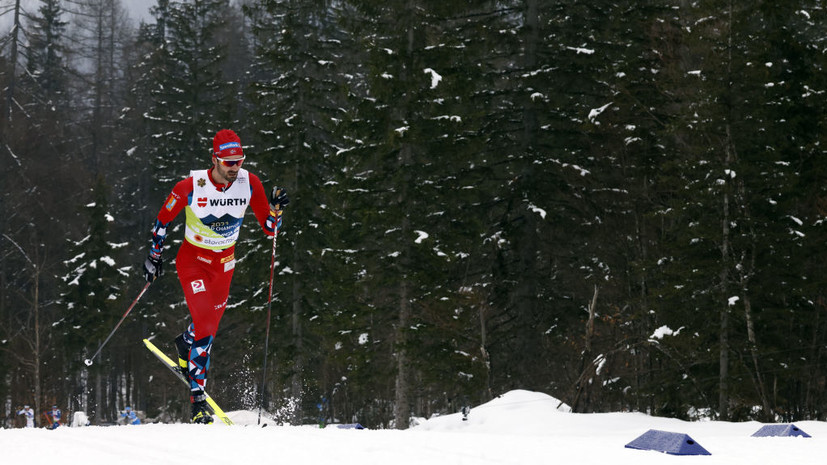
(278, 198)
(153, 268)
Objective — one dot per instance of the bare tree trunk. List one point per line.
(486, 393)
(590, 324)
(723, 338)
(297, 378)
(402, 409)
(532, 41)
(15, 33)
(33, 342)
(97, 408)
(296, 384)
(641, 356)
(37, 349)
(83, 397)
(586, 361)
(723, 360)
(745, 272)
(753, 348)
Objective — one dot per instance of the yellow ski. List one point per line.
(216, 410)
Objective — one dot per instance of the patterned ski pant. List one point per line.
(205, 277)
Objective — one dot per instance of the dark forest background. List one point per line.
(621, 204)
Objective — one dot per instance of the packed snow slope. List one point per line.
(520, 428)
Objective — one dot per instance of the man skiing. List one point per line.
(29, 414)
(54, 414)
(215, 201)
(131, 416)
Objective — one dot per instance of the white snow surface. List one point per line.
(519, 428)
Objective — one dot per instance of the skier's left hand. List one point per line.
(153, 268)
(278, 198)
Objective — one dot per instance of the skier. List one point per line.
(54, 414)
(131, 416)
(466, 409)
(215, 200)
(29, 414)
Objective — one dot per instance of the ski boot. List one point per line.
(200, 413)
(183, 348)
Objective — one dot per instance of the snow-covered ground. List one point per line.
(520, 428)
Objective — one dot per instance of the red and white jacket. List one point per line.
(214, 212)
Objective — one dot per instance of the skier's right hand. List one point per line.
(153, 267)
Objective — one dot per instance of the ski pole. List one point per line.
(269, 307)
(88, 361)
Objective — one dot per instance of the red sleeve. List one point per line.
(176, 201)
(261, 205)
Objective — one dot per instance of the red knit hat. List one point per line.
(226, 144)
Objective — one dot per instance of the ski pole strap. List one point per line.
(273, 223)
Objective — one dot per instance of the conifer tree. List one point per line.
(190, 99)
(93, 288)
(46, 63)
(298, 69)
